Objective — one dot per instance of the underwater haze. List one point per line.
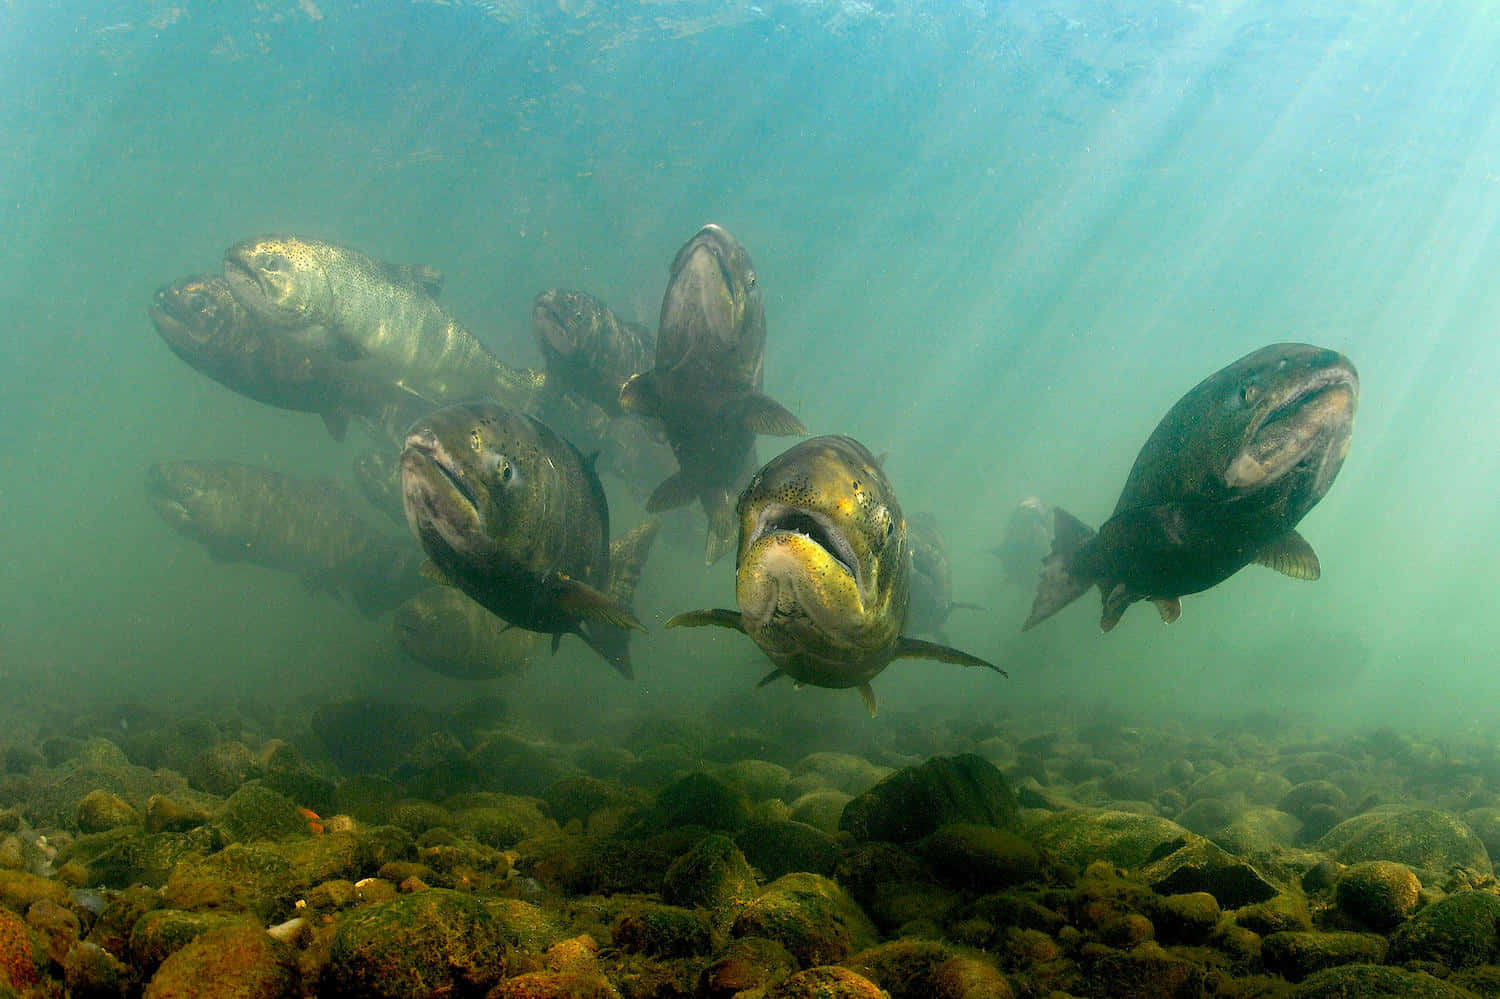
(996, 240)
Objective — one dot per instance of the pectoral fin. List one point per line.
(428, 570)
(674, 492)
(1291, 555)
(639, 395)
(867, 694)
(581, 599)
(337, 424)
(763, 415)
(915, 648)
(718, 617)
(770, 678)
(1170, 609)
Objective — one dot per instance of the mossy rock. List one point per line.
(844, 772)
(904, 968)
(91, 971)
(695, 800)
(1199, 865)
(527, 926)
(241, 962)
(1144, 972)
(782, 846)
(102, 810)
(1422, 839)
(1458, 931)
(758, 780)
(713, 875)
(745, 966)
(23, 958)
(829, 982)
(253, 878)
(578, 798)
(429, 943)
(811, 916)
(1285, 913)
(820, 809)
(1295, 955)
(916, 801)
(662, 931)
(127, 855)
(1381, 894)
(1124, 839)
(502, 822)
(1255, 787)
(1369, 981)
(255, 813)
(221, 769)
(980, 859)
(1186, 918)
(158, 934)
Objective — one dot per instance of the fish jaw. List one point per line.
(440, 502)
(1320, 416)
(797, 600)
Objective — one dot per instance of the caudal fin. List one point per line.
(1057, 586)
(627, 555)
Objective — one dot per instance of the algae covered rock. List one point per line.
(713, 875)
(1369, 981)
(1458, 931)
(429, 943)
(1199, 865)
(809, 915)
(698, 800)
(258, 813)
(22, 957)
(1296, 954)
(1144, 972)
(102, 810)
(240, 962)
(1381, 894)
(980, 858)
(916, 801)
(830, 982)
(782, 846)
(662, 931)
(1423, 839)
(743, 966)
(1124, 839)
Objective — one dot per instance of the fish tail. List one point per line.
(1058, 585)
(612, 644)
(627, 556)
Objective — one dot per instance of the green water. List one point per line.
(995, 240)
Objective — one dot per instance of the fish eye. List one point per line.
(1249, 394)
(276, 263)
(475, 441)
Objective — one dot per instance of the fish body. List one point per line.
(706, 378)
(589, 351)
(513, 515)
(1222, 482)
(931, 577)
(823, 571)
(377, 472)
(200, 320)
(1025, 542)
(383, 317)
(449, 633)
(245, 513)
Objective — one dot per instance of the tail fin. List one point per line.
(626, 557)
(723, 532)
(1058, 586)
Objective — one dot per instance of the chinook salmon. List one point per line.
(449, 633)
(513, 515)
(705, 382)
(931, 578)
(823, 573)
(1222, 482)
(203, 324)
(589, 351)
(245, 513)
(384, 318)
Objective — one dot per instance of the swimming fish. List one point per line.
(246, 513)
(515, 516)
(1222, 482)
(384, 318)
(589, 351)
(445, 630)
(705, 383)
(823, 573)
(931, 578)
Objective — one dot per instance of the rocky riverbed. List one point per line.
(378, 850)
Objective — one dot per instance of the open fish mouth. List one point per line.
(817, 528)
(429, 462)
(1317, 412)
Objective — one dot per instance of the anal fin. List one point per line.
(717, 617)
(674, 492)
(763, 415)
(581, 599)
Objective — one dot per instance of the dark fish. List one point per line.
(823, 573)
(250, 514)
(1222, 482)
(589, 351)
(705, 384)
(288, 368)
(931, 578)
(378, 474)
(514, 516)
(383, 317)
(1026, 541)
(446, 631)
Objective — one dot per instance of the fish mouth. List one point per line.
(425, 459)
(1318, 410)
(166, 498)
(554, 332)
(816, 527)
